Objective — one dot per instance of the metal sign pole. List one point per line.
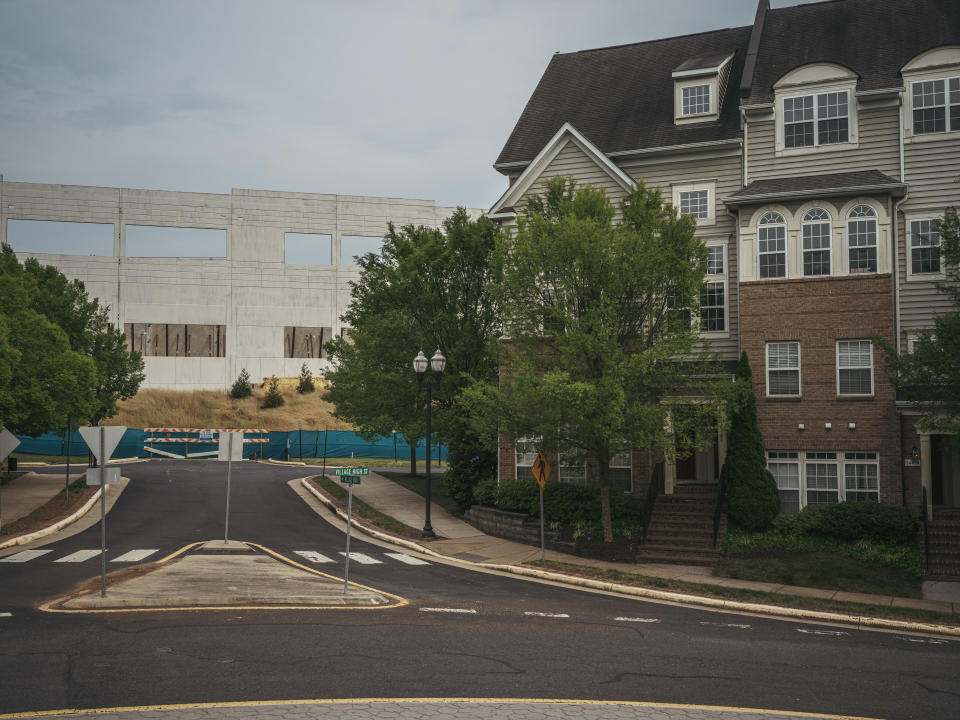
(226, 520)
(346, 564)
(323, 472)
(66, 490)
(103, 512)
(543, 550)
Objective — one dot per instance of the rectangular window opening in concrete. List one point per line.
(306, 342)
(176, 242)
(57, 237)
(306, 249)
(355, 246)
(176, 339)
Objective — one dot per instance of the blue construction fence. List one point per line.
(293, 445)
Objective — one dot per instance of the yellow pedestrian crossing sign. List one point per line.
(541, 469)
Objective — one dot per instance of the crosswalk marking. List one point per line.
(6, 614)
(25, 556)
(313, 557)
(79, 556)
(135, 555)
(363, 559)
(407, 559)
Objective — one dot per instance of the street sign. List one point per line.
(111, 438)
(94, 475)
(541, 469)
(350, 479)
(8, 441)
(206, 434)
(229, 449)
(351, 471)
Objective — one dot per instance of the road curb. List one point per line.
(56, 527)
(663, 595)
(271, 461)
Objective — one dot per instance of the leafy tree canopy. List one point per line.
(597, 304)
(930, 375)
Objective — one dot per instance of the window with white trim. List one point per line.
(816, 243)
(785, 468)
(936, 105)
(772, 245)
(812, 120)
(696, 100)
(862, 239)
(715, 260)
(573, 468)
(924, 248)
(525, 451)
(620, 474)
(821, 478)
(783, 368)
(854, 367)
(861, 476)
(713, 317)
(696, 200)
(696, 203)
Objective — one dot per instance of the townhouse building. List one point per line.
(814, 148)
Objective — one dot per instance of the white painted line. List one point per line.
(363, 559)
(135, 555)
(550, 615)
(640, 620)
(6, 614)
(25, 556)
(79, 556)
(931, 641)
(408, 559)
(313, 557)
(730, 625)
(832, 633)
(462, 611)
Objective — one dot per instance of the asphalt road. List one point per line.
(509, 637)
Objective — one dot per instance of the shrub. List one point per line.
(273, 398)
(865, 520)
(485, 492)
(306, 380)
(519, 496)
(241, 388)
(753, 501)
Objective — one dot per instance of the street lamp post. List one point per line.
(437, 363)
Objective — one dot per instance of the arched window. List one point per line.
(772, 245)
(862, 239)
(816, 243)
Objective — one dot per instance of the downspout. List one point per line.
(895, 222)
(746, 147)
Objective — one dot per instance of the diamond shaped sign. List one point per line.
(111, 438)
(8, 441)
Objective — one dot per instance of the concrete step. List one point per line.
(679, 557)
(660, 534)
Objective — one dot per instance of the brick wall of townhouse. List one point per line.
(816, 314)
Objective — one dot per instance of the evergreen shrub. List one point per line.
(866, 520)
(241, 388)
(273, 398)
(306, 380)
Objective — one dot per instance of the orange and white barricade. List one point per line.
(194, 436)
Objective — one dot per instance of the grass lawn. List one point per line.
(50, 459)
(354, 462)
(820, 569)
(418, 484)
(364, 511)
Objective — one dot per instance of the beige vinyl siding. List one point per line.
(931, 166)
(725, 171)
(878, 149)
(573, 162)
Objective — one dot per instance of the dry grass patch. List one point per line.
(216, 409)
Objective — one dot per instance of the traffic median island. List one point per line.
(51, 515)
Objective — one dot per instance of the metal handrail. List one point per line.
(719, 504)
(653, 489)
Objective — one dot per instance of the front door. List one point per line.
(945, 470)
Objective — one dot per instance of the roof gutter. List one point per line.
(674, 148)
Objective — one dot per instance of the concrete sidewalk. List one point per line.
(460, 540)
(24, 494)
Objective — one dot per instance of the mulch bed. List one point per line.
(55, 510)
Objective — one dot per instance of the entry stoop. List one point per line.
(681, 528)
(943, 545)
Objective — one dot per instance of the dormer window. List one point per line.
(815, 109)
(699, 85)
(933, 94)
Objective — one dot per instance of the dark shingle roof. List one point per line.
(873, 38)
(835, 183)
(621, 98)
(704, 62)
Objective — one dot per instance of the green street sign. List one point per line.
(350, 479)
(351, 471)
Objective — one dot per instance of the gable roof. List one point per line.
(874, 38)
(566, 134)
(621, 98)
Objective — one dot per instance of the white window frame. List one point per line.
(815, 91)
(722, 282)
(804, 224)
(951, 98)
(709, 80)
(811, 458)
(786, 244)
(711, 190)
(911, 273)
(723, 260)
(850, 218)
(779, 458)
(536, 440)
(798, 368)
(869, 367)
(863, 459)
(619, 465)
(564, 467)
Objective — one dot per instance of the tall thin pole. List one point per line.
(543, 550)
(226, 520)
(103, 512)
(427, 527)
(324, 471)
(66, 490)
(346, 563)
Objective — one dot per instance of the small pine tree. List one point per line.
(241, 388)
(273, 398)
(752, 498)
(306, 380)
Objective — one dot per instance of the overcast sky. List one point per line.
(397, 98)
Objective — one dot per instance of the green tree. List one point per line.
(273, 398)
(305, 384)
(752, 497)
(241, 386)
(598, 315)
(429, 288)
(930, 375)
